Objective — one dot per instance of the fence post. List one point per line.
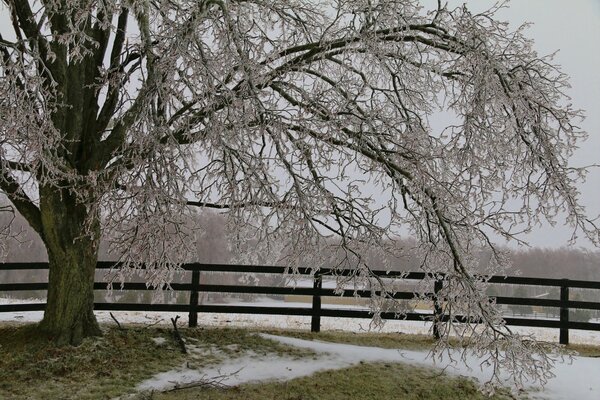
(437, 307)
(315, 324)
(193, 316)
(564, 312)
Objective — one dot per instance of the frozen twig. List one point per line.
(117, 321)
(177, 335)
(215, 382)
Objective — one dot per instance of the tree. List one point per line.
(302, 119)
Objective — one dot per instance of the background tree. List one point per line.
(302, 118)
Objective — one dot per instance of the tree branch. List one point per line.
(25, 18)
(268, 204)
(112, 97)
(317, 51)
(19, 166)
(22, 202)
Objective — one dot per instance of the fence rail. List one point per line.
(316, 311)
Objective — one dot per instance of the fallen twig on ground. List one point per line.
(177, 335)
(212, 383)
(118, 324)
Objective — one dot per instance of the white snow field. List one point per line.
(577, 380)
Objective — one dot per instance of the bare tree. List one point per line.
(302, 119)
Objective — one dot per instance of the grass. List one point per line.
(585, 350)
(383, 340)
(400, 340)
(234, 342)
(361, 382)
(33, 368)
(110, 366)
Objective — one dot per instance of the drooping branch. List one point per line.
(220, 206)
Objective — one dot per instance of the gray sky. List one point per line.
(573, 28)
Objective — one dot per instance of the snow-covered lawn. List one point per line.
(579, 380)
(576, 380)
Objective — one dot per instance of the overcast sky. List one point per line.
(573, 28)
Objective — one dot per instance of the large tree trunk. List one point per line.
(71, 237)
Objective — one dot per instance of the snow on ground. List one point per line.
(243, 370)
(578, 380)
(159, 340)
(286, 322)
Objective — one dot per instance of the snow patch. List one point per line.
(576, 380)
(159, 341)
(240, 370)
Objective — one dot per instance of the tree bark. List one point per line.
(71, 236)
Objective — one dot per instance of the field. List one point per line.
(114, 366)
(144, 361)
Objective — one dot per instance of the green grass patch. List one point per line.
(361, 382)
(383, 340)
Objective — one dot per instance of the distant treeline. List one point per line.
(217, 248)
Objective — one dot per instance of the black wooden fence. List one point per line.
(195, 286)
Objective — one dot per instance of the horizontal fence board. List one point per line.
(519, 280)
(527, 301)
(226, 309)
(586, 305)
(258, 269)
(139, 286)
(346, 313)
(584, 326)
(280, 290)
(20, 266)
(141, 307)
(10, 287)
(22, 307)
(538, 323)
(547, 323)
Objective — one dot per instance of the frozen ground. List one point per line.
(576, 380)
(287, 322)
